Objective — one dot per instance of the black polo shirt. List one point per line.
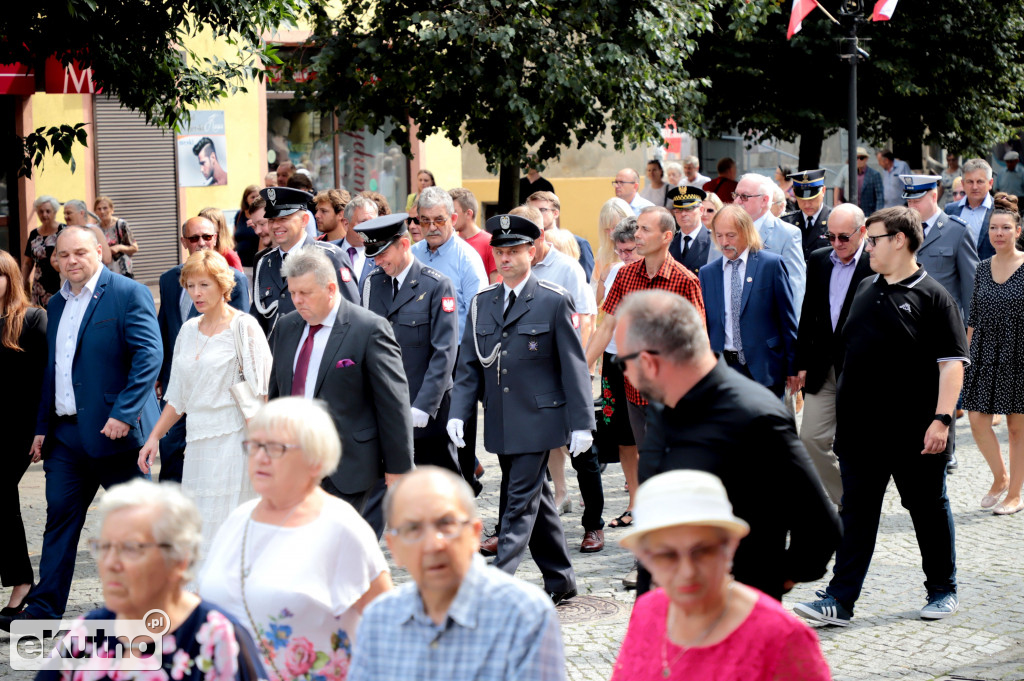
(895, 337)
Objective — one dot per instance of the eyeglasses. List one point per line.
(843, 238)
(194, 239)
(959, 195)
(129, 550)
(623, 252)
(412, 221)
(275, 450)
(620, 360)
(744, 197)
(669, 559)
(862, 158)
(546, 210)
(414, 532)
(872, 240)
(618, 182)
(438, 222)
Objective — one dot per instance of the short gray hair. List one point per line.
(309, 422)
(778, 196)
(625, 230)
(977, 164)
(310, 259)
(666, 223)
(855, 212)
(435, 196)
(462, 491)
(177, 521)
(666, 322)
(46, 198)
(765, 184)
(691, 161)
(363, 202)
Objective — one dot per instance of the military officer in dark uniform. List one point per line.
(287, 213)
(692, 242)
(521, 354)
(812, 218)
(419, 302)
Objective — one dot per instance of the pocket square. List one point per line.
(342, 363)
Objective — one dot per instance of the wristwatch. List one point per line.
(945, 418)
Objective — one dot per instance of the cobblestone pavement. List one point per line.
(985, 640)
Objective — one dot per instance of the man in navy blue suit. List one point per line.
(197, 234)
(98, 404)
(749, 304)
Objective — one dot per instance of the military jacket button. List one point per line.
(506, 389)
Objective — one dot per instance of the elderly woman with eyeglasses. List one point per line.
(297, 566)
(700, 623)
(145, 553)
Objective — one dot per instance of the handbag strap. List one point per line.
(237, 336)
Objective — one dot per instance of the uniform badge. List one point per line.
(575, 321)
(448, 304)
(505, 223)
(272, 195)
(750, 279)
(346, 274)
(532, 345)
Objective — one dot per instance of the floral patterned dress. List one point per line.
(45, 279)
(207, 646)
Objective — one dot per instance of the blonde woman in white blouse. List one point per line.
(204, 367)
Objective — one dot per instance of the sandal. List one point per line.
(621, 520)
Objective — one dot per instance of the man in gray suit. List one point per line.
(522, 354)
(754, 194)
(419, 303)
(332, 350)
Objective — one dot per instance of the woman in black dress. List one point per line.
(23, 355)
(994, 382)
(38, 274)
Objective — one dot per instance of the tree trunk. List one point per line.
(508, 188)
(810, 148)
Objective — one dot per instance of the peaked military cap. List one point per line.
(511, 230)
(687, 198)
(284, 201)
(916, 186)
(379, 233)
(808, 184)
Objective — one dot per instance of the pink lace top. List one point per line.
(769, 645)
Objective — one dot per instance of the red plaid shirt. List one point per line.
(671, 276)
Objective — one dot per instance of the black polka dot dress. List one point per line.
(994, 382)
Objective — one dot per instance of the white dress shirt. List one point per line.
(316, 355)
(67, 342)
(518, 289)
(929, 223)
(402, 276)
(727, 280)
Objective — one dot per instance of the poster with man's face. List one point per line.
(202, 151)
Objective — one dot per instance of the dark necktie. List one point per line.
(511, 302)
(352, 256)
(302, 365)
(810, 224)
(394, 294)
(686, 245)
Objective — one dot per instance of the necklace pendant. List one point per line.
(665, 672)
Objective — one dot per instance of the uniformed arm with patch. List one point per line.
(444, 338)
(390, 389)
(572, 365)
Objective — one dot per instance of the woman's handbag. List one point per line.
(245, 397)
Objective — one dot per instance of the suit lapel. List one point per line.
(935, 232)
(338, 333)
(751, 279)
(101, 288)
(497, 305)
(522, 305)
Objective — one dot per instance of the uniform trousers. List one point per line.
(72, 480)
(438, 450)
(588, 475)
(921, 482)
(818, 431)
(529, 518)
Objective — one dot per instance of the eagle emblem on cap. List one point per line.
(505, 223)
(362, 235)
(272, 195)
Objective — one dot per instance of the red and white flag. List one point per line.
(883, 10)
(801, 8)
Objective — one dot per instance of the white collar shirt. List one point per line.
(727, 291)
(67, 343)
(316, 355)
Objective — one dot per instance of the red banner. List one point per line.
(17, 79)
(68, 81)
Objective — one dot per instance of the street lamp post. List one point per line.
(853, 12)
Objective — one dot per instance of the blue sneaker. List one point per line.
(827, 610)
(940, 605)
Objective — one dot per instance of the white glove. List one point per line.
(419, 418)
(455, 432)
(580, 442)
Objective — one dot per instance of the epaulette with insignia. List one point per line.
(490, 288)
(432, 273)
(957, 218)
(553, 287)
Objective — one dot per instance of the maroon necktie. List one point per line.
(302, 365)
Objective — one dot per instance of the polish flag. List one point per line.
(883, 10)
(801, 8)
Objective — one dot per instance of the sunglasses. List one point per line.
(844, 238)
(412, 221)
(620, 360)
(205, 237)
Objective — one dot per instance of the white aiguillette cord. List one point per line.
(487, 361)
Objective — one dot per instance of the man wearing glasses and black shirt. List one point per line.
(905, 332)
(833, 275)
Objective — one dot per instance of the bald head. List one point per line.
(439, 481)
(198, 234)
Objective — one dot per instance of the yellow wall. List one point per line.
(444, 160)
(54, 177)
(581, 199)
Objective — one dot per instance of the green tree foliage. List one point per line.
(948, 73)
(520, 80)
(137, 50)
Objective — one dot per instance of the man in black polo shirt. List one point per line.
(905, 332)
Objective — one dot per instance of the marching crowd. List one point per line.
(333, 400)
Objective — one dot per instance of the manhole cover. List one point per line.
(588, 609)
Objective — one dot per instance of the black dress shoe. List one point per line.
(559, 596)
(10, 612)
(5, 620)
